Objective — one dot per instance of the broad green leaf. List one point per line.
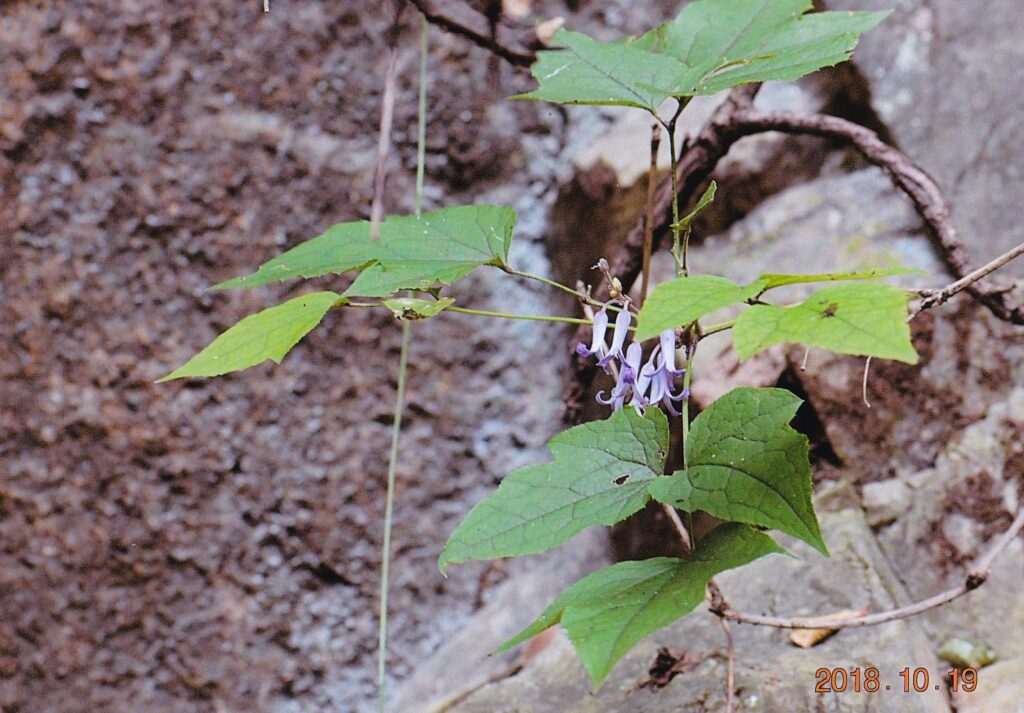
(712, 45)
(745, 463)
(413, 308)
(777, 280)
(269, 334)
(599, 476)
(684, 300)
(607, 612)
(416, 253)
(864, 319)
(585, 71)
(733, 42)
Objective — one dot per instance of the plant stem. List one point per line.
(403, 360)
(508, 315)
(674, 159)
(649, 222)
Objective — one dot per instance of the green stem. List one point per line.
(670, 127)
(403, 360)
(546, 281)
(508, 315)
(715, 328)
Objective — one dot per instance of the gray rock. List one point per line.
(942, 79)
(771, 674)
(999, 690)
(885, 500)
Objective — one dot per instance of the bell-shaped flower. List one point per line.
(628, 372)
(667, 342)
(622, 322)
(597, 344)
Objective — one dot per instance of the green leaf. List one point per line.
(416, 253)
(745, 463)
(585, 71)
(607, 612)
(599, 476)
(269, 334)
(779, 280)
(864, 319)
(679, 302)
(413, 308)
(733, 42)
(712, 45)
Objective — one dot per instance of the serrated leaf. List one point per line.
(269, 334)
(607, 612)
(863, 319)
(780, 280)
(712, 45)
(599, 476)
(415, 253)
(745, 463)
(585, 71)
(735, 42)
(414, 308)
(679, 302)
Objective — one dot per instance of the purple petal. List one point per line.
(622, 321)
(668, 350)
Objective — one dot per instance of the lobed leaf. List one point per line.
(599, 476)
(679, 302)
(415, 253)
(745, 463)
(863, 319)
(269, 334)
(607, 612)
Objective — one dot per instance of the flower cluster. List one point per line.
(643, 384)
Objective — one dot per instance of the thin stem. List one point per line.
(715, 328)
(508, 315)
(389, 506)
(730, 671)
(546, 281)
(934, 298)
(403, 358)
(649, 222)
(673, 160)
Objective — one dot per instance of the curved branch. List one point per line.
(475, 27)
(974, 579)
(924, 193)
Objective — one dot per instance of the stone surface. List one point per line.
(1000, 689)
(943, 79)
(885, 500)
(772, 675)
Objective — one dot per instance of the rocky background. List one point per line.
(214, 546)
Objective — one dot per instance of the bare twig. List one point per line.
(649, 219)
(976, 576)
(476, 27)
(684, 536)
(387, 115)
(934, 298)
(730, 670)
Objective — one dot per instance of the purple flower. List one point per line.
(622, 321)
(597, 345)
(628, 372)
(667, 342)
